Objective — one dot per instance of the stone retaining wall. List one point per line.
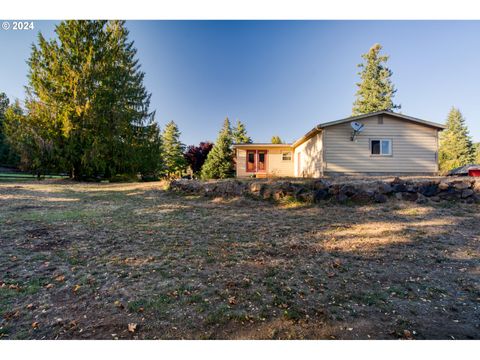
(464, 189)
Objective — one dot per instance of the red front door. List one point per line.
(256, 161)
(251, 163)
(262, 161)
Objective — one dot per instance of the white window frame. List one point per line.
(390, 147)
(285, 153)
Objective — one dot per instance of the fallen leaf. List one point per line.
(49, 286)
(76, 288)
(407, 334)
(35, 325)
(232, 300)
(60, 278)
(14, 287)
(119, 304)
(29, 306)
(132, 327)
(11, 315)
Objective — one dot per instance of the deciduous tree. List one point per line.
(8, 157)
(196, 156)
(34, 142)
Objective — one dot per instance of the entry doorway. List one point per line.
(257, 161)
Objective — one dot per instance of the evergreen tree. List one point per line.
(477, 154)
(86, 90)
(276, 140)
(8, 157)
(149, 152)
(239, 134)
(173, 149)
(456, 148)
(219, 163)
(375, 91)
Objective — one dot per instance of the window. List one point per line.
(381, 147)
(250, 161)
(287, 156)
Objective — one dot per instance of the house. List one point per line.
(380, 143)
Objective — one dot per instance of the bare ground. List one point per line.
(82, 261)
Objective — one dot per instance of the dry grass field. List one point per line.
(132, 261)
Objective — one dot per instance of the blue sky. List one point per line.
(284, 77)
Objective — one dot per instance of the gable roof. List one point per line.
(321, 126)
(384, 112)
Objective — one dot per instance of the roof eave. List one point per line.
(405, 117)
(307, 136)
(253, 145)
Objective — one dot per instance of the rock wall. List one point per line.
(316, 191)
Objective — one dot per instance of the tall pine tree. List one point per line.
(239, 134)
(173, 149)
(86, 91)
(456, 148)
(375, 90)
(477, 154)
(219, 163)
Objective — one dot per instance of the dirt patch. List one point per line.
(95, 258)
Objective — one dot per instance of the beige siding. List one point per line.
(310, 164)
(275, 165)
(414, 147)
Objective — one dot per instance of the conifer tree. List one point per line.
(149, 152)
(239, 134)
(173, 149)
(219, 163)
(276, 140)
(456, 148)
(86, 91)
(477, 155)
(375, 90)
